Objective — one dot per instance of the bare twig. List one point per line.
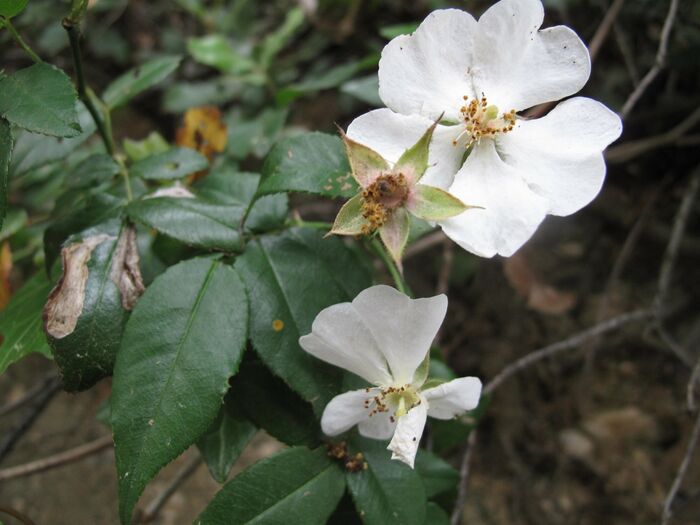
(27, 396)
(425, 243)
(150, 513)
(626, 52)
(659, 62)
(629, 150)
(464, 470)
(672, 249)
(567, 344)
(40, 402)
(604, 28)
(443, 282)
(57, 460)
(690, 389)
(680, 475)
(26, 520)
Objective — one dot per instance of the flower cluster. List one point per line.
(476, 77)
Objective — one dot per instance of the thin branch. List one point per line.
(682, 470)
(425, 243)
(629, 150)
(659, 62)
(672, 249)
(627, 55)
(567, 344)
(443, 283)
(74, 37)
(464, 471)
(26, 520)
(150, 513)
(28, 396)
(604, 28)
(57, 460)
(690, 389)
(20, 41)
(41, 401)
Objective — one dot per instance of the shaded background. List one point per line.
(593, 435)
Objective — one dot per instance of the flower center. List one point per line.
(483, 120)
(399, 399)
(388, 192)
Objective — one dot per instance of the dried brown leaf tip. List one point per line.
(204, 131)
(125, 272)
(65, 302)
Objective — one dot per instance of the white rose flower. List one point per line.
(480, 74)
(384, 337)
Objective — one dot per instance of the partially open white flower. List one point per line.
(384, 337)
(480, 74)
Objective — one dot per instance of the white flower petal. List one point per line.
(512, 211)
(517, 66)
(403, 327)
(346, 410)
(379, 426)
(426, 73)
(453, 398)
(341, 337)
(560, 155)
(390, 134)
(409, 430)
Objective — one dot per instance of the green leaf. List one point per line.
(95, 169)
(224, 442)
(435, 515)
(388, 491)
(433, 204)
(276, 41)
(97, 209)
(278, 270)
(295, 486)
(183, 341)
(390, 32)
(217, 51)
(312, 163)
(21, 331)
(254, 136)
(40, 98)
(192, 221)
(225, 185)
(139, 79)
(10, 8)
(269, 403)
(33, 150)
(438, 476)
(452, 433)
(153, 144)
(85, 315)
(6, 143)
(365, 89)
(173, 164)
(349, 220)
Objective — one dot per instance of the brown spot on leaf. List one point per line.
(125, 272)
(65, 302)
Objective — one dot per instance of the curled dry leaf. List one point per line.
(65, 302)
(125, 272)
(203, 131)
(540, 296)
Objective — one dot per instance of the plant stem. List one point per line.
(125, 173)
(11, 28)
(74, 38)
(401, 284)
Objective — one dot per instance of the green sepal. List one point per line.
(433, 204)
(365, 163)
(421, 373)
(349, 220)
(394, 234)
(415, 158)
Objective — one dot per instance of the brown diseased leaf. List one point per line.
(125, 272)
(65, 302)
(540, 296)
(202, 130)
(5, 268)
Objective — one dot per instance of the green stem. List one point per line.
(74, 38)
(11, 28)
(125, 174)
(400, 282)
